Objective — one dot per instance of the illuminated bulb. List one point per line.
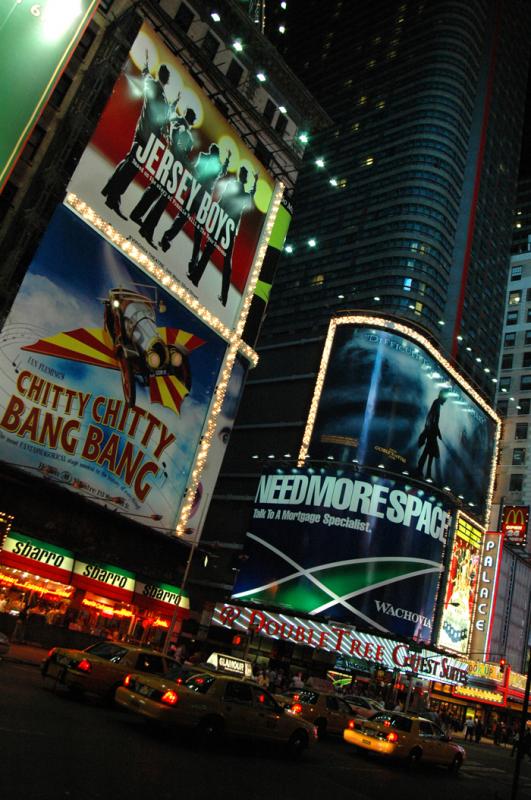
(238, 46)
(215, 16)
(283, 109)
(261, 77)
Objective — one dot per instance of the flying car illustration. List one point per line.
(139, 349)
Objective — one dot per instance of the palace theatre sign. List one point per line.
(344, 640)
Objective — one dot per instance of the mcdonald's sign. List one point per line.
(514, 524)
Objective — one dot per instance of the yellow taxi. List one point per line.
(101, 668)
(216, 704)
(406, 736)
(326, 710)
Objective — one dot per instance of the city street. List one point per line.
(56, 747)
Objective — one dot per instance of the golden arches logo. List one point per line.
(515, 518)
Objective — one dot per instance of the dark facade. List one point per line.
(410, 214)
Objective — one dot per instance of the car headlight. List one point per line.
(153, 359)
(176, 358)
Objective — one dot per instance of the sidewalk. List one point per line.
(26, 654)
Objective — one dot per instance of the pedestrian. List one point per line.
(516, 739)
(479, 730)
(469, 728)
(498, 730)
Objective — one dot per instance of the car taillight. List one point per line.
(84, 665)
(127, 680)
(51, 652)
(296, 708)
(392, 737)
(169, 697)
(296, 697)
(351, 724)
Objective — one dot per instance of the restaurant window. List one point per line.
(518, 456)
(516, 482)
(512, 318)
(525, 382)
(507, 361)
(510, 339)
(515, 298)
(523, 406)
(516, 273)
(520, 431)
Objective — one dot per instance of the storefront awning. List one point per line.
(161, 598)
(37, 557)
(104, 580)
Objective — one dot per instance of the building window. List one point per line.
(281, 124)
(263, 153)
(6, 198)
(528, 296)
(502, 405)
(515, 298)
(516, 481)
(33, 143)
(518, 456)
(510, 339)
(512, 318)
(523, 406)
(528, 319)
(525, 382)
(210, 45)
(526, 359)
(520, 431)
(234, 72)
(269, 111)
(505, 384)
(516, 273)
(507, 361)
(184, 17)
(59, 93)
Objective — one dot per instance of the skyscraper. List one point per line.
(403, 207)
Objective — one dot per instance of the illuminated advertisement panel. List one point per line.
(36, 41)
(360, 547)
(487, 588)
(461, 586)
(345, 641)
(166, 170)
(386, 398)
(107, 379)
(514, 524)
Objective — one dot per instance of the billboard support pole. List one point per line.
(179, 598)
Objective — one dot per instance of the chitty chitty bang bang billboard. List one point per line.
(167, 171)
(107, 379)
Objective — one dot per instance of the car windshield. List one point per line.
(309, 698)
(200, 683)
(108, 651)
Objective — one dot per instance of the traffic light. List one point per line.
(503, 662)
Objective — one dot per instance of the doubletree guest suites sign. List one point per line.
(37, 557)
(343, 640)
(103, 579)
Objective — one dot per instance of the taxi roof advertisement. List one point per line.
(386, 397)
(107, 378)
(166, 169)
(360, 547)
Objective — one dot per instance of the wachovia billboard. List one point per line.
(385, 397)
(349, 544)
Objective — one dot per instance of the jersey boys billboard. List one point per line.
(107, 379)
(355, 546)
(385, 397)
(166, 169)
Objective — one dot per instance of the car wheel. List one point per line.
(457, 761)
(414, 757)
(297, 744)
(44, 667)
(209, 731)
(320, 724)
